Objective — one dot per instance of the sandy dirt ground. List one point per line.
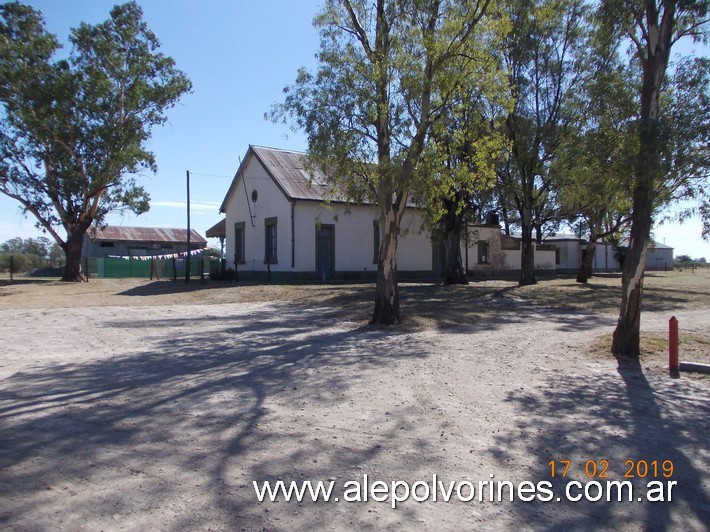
(160, 412)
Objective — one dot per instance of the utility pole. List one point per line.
(187, 257)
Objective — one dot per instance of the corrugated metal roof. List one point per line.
(146, 234)
(291, 173)
(289, 170)
(218, 230)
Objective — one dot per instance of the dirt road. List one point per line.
(162, 417)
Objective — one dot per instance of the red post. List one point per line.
(673, 363)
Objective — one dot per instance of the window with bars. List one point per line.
(270, 255)
(483, 257)
(239, 246)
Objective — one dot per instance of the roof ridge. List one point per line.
(272, 148)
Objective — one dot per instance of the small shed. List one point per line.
(659, 257)
(118, 241)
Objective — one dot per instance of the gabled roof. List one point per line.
(146, 234)
(291, 174)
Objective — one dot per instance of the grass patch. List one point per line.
(692, 347)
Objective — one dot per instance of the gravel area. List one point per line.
(153, 416)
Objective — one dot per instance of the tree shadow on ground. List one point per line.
(619, 419)
(25, 281)
(466, 308)
(168, 286)
(257, 397)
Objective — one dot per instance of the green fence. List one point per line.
(149, 269)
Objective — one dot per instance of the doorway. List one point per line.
(325, 251)
(438, 257)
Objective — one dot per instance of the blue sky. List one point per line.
(239, 55)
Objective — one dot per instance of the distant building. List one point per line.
(570, 251)
(658, 257)
(114, 241)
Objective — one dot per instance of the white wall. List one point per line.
(570, 254)
(355, 238)
(659, 258)
(605, 258)
(656, 258)
(270, 203)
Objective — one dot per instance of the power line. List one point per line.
(211, 175)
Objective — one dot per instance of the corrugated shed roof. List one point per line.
(218, 230)
(291, 173)
(146, 234)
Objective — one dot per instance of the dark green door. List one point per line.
(325, 251)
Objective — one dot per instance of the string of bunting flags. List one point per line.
(159, 257)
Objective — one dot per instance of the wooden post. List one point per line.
(174, 270)
(202, 270)
(673, 363)
(187, 264)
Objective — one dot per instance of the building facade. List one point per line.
(283, 219)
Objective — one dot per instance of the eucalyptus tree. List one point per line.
(73, 131)
(685, 136)
(652, 27)
(595, 163)
(458, 165)
(388, 70)
(540, 56)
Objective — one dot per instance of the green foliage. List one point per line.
(73, 131)
(20, 262)
(27, 254)
(676, 103)
(542, 55)
(212, 253)
(652, 28)
(388, 71)
(685, 139)
(457, 170)
(382, 82)
(686, 261)
(599, 148)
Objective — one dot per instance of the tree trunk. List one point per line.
(386, 310)
(527, 251)
(455, 271)
(506, 221)
(627, 335)
(585, 269)
(72, 250)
